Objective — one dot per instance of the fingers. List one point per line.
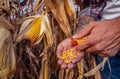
(90, 41)
(95, 48)
(64, 65)
(59, 50)
(80, 56)
(85, 31)
(73, 63)
(109, 53)
(64, 45)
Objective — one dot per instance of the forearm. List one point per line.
(117, 22)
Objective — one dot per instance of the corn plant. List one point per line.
(30, 31)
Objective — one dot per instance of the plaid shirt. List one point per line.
(93, 8)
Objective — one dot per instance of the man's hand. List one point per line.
(66, 45)
(103, 38)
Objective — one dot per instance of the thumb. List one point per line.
(84, 32)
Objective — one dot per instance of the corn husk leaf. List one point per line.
(45, 29)
(61, 73)
(25, 25)
(37, 5)
(44, 73)
(7, 56)
(80, 69)
(57, 8)
(6, 24)
(21, 21)
(97, 68)
(70, 8)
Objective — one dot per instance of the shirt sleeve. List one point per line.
(112, 9)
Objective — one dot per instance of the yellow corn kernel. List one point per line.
(33, 32)
(68, 55)
(81, 40)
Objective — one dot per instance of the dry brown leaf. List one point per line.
(7, 56)
(80, 69)
(97, 68)
(25, 25)
(44, 73)
(57, 8)
(69, 74)
(6, 24)
(37, 5)
(61, 74)
(70, 8)
(20, 21)
(48, 31)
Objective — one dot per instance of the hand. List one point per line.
(103, 38)
(66, 45)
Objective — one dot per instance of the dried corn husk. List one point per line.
(97, 68)
(6, 24)
(37, 5)
(6, 5)
(70, 8)
(7, 56)
(58, 10)
(34, 29)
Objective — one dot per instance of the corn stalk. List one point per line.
(32, 30)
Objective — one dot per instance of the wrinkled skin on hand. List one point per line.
(103, 38)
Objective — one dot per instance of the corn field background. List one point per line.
(31, 54)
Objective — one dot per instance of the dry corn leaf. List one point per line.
(6, 5)
(79, 3)
(7, 56)
(57, 8)
(70, 8)
(13, 5)
(4, 34)
(37, 5)
(96, 69)
(61, 74)
(69, 74)
(6, 24)
(80, 69)
(25, 26)
(44, 73)
(20, 21)
(48, 31)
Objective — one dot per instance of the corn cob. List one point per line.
(33, 32)
(70, 54)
